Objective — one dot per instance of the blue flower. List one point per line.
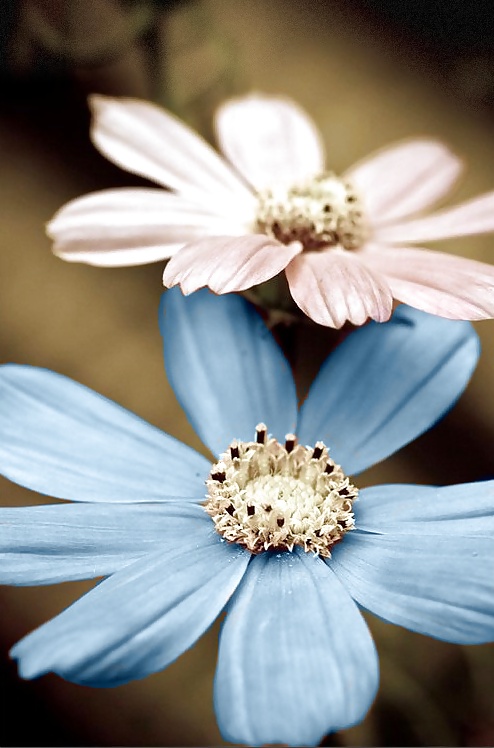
(296, 659)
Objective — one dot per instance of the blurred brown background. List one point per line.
(369, 73)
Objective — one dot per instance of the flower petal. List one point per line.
(386, 384)
(333, 287)
(225, 368)
(62, 542)
(270, 140)
(465, 509)
(439, 584)
(139, 620)
(296, 660)
(60, 438)
(146, 140)
(472, 217)
(228, 263)
(442, 284)
(131, 227)
(404, 178)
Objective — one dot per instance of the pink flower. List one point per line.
(343, 242)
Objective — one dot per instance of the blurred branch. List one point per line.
(82, 33)
(169, 51)
(203, 65)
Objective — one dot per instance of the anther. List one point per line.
(251, 510)
(280, 522)
(329, 468)
(317, 451)
(290, 441)
(219, 476)
(261, 433)
(230, 509)
(234, 451)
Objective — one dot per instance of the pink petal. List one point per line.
(146, 140)
(270, 140)
(405, 178)
(472, 217)
(333, 287)
(442, 284)
(130, 227)
(227, 264)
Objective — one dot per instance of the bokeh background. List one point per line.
(369, 72)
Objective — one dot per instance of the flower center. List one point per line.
(265, 495)
(325, 212)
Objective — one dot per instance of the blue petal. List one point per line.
(441, 585)
(62, 542)
(61, 439)
(139, 620)
(225, 368)
(465, 509)
(296, 659)
(386, 384)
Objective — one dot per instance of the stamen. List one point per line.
(318, 449)
(290, 441)
(261, 433)
(220, 474)
(324, 212)
(270, 496)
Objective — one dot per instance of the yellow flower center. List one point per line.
(325, 212)
(265, 495)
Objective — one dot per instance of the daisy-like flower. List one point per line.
(273, 532)
(343, 242)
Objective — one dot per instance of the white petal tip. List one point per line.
(97, 101)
